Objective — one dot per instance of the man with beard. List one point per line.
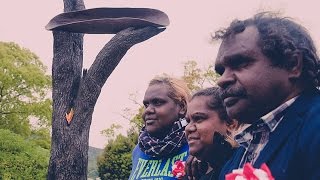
(269, 77)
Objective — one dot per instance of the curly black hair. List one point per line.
(280, 38)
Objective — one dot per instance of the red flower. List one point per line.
(250, 173)
(178, 169)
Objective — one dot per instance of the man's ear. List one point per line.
(294, 65)
(183, 108)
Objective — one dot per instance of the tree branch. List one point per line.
(111, 54)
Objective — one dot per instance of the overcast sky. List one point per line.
(186, 38)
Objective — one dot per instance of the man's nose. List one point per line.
(226, 79)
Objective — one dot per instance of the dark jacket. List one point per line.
(293, 150)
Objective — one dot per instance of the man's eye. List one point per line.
(240, 63)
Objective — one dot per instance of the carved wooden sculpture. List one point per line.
(75, 93)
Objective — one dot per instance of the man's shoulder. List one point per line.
(307, 104)
(232, 163)
(312, 113)
(314, 98)
(310, 121)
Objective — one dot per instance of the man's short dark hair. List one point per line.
(280, 38)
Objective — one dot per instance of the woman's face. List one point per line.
(203, 123)
(160, 110)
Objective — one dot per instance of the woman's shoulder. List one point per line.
(146, 167)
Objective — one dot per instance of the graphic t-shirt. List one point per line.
(149, 168)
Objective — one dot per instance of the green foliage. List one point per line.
(136, 122)
(115, 162)
(197, 78)
(23, 90)
(41, 137)
(20, 158)
(111, 131)
(25, 114)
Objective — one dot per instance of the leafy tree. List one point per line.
(111, 132)
(136, 122)
(115, 162)
(20, 158)
(23, 90)
(41, 137)
(25, 114)
(197, 78)
(111, 164)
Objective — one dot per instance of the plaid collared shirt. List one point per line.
(256, 136)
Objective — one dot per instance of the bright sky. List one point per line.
(186, 38)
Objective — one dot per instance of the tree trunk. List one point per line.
(77, 92)
(69, 144)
